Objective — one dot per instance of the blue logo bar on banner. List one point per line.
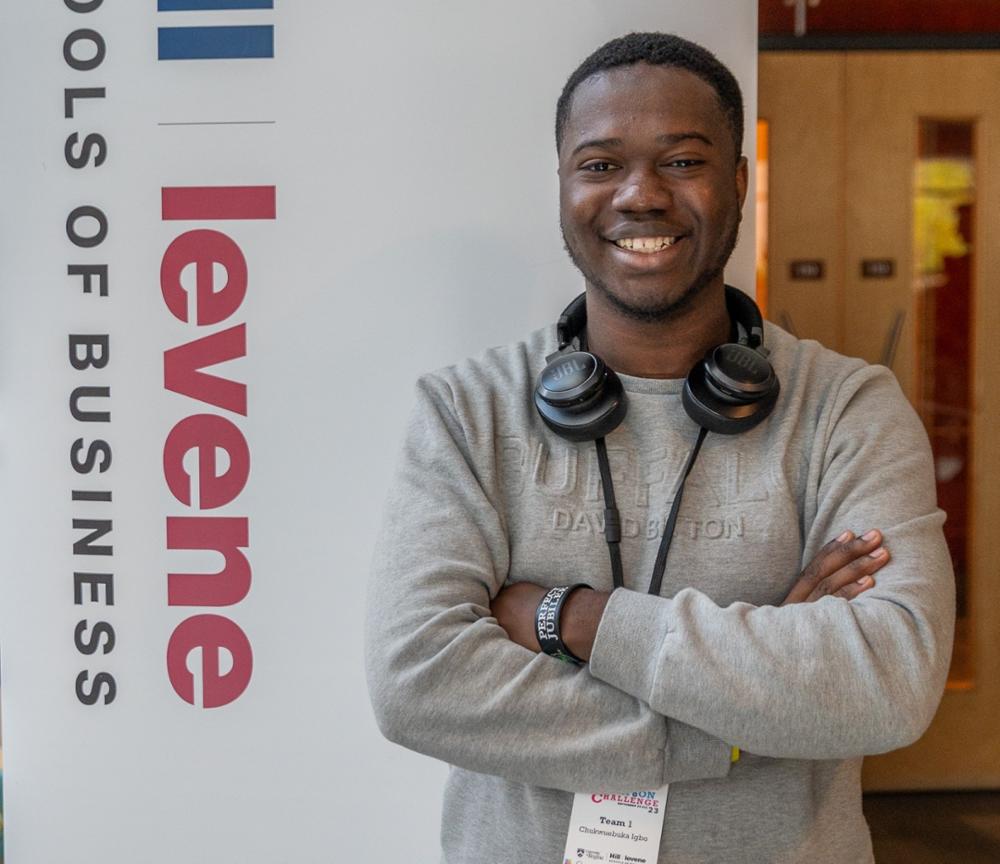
(215, 43)
(206, 5)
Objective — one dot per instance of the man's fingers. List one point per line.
(823, 563)
(837, 565)
(849, 592)
(828, 549)
(856, 577)
(841, 552)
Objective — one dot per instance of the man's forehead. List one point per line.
(627, 95)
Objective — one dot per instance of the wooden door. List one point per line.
(883, 207)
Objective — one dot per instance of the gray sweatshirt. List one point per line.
(485, 495)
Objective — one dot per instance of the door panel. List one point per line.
(806, 193)
(846, 133)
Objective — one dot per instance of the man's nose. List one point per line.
(643, 190)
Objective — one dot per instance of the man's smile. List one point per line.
(646, 245)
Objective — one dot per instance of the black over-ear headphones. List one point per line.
(730, 391)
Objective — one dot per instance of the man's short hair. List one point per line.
(659, 49)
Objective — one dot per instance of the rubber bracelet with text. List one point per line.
(547, 623)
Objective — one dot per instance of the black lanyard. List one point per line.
(612, 519)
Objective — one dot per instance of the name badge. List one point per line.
(618, 828)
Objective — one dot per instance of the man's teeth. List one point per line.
(645, 244)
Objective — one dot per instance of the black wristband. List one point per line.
(547, 623)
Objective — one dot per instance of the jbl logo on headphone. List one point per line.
(746, 361)
(568, 368)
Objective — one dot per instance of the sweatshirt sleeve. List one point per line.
(828, 679)
(443, 676)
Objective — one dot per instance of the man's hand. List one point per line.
(843, 568)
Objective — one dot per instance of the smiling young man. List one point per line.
(731, 662)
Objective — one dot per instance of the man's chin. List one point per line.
(653, 308)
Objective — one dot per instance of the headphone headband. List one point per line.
(745, 312)
(572, 320)
(742, 310)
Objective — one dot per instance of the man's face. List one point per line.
(650, 189)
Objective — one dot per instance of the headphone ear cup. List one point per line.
(732, 390)
(579, 398)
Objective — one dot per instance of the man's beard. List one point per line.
(667, 309)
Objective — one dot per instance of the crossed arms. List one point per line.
(824, 679)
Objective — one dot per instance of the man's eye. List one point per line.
(598, 167)
(685, 163)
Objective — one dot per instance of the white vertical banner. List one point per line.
(234, 233)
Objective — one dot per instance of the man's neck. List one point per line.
(657, 349)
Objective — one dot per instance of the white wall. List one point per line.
(413, 156)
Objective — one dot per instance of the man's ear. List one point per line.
(742, 180)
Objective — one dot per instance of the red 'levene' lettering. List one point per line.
(209, 651)
(206, 433)
(203, 249)
(211, 635)
(218, 202)
(182, 369)
(223, 534)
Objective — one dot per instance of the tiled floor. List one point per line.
(935, 828)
